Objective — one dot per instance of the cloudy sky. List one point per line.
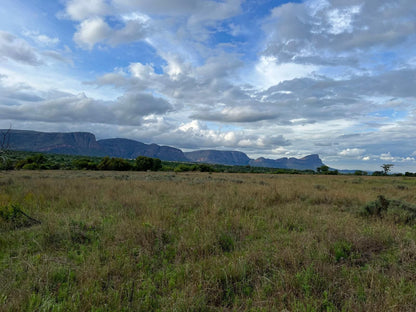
(269, 78)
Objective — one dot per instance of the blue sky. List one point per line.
(269, 78)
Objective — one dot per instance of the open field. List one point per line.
(141, 241)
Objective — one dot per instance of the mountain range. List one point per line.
(84, 143)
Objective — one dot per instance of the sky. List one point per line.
(269, 78)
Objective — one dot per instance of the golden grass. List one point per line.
(113, 241)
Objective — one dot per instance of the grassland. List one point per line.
(160, 241)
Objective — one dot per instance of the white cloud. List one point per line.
(92, 31)
(352, 152)
(235, 114)
(81, 9)
(95, 30)
(387, 156)
(269, 72)
(41, 39)
(18, 50)
(314, 32)
(340, 20)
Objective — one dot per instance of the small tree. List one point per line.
(323, 169)
(5, 162)
(386, 168)
(144, 163)
(116, 164)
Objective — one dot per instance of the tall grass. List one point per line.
(112, 241)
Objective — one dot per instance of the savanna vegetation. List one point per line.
(85, 240)
(43, 161)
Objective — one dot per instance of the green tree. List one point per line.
(84, 163)
(360, 172)
(35, 162)
(116, 164)
(386, 168)
(5, 162)
(323, 169)
(144, 163)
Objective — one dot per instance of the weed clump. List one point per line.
(399, 211)
(82, 233)
(226, 242)
(14, 217)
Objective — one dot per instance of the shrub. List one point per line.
(84, 163)
(34, 162)
(117, 164)
(144, 163)
(14, 217)
(205, 168)
(184, 168)
(399, 211)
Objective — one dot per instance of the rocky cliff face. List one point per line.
(74, 143)
(125, 148)
(308, 162)
(232, 158)
(84, 143)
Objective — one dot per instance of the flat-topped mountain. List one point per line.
(232, 158)
(307, 162)
(126, 148)
(84, 143)
(71, 143)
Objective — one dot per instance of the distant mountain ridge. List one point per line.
(231, 158)
(307, 162)
(85, 143)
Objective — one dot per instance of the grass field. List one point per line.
(140, 241)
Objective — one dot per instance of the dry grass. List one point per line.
(113, 241)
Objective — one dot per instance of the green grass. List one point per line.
(163, 241)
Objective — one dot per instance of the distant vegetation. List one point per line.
(39, 161)
(85, 240)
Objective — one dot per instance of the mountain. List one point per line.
(232, 158)
(125, 148)
(84, 143)
(308, 162)
(73, 143)
(235, 158)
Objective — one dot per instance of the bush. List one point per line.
(205, 168)
(183, 168)
(399, 211)
(360, 172)
(200, 168)
(116, 164)
(144, 163)
(85, 164)
(13, 216)
(34, 162)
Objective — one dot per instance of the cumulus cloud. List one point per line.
(22, 102)
(80, 9)
(18, 50)
(321, 28)
(198, 11)
(141, 104)
(352, 152)
(96, 30)
(234, 114)
(196, 134)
